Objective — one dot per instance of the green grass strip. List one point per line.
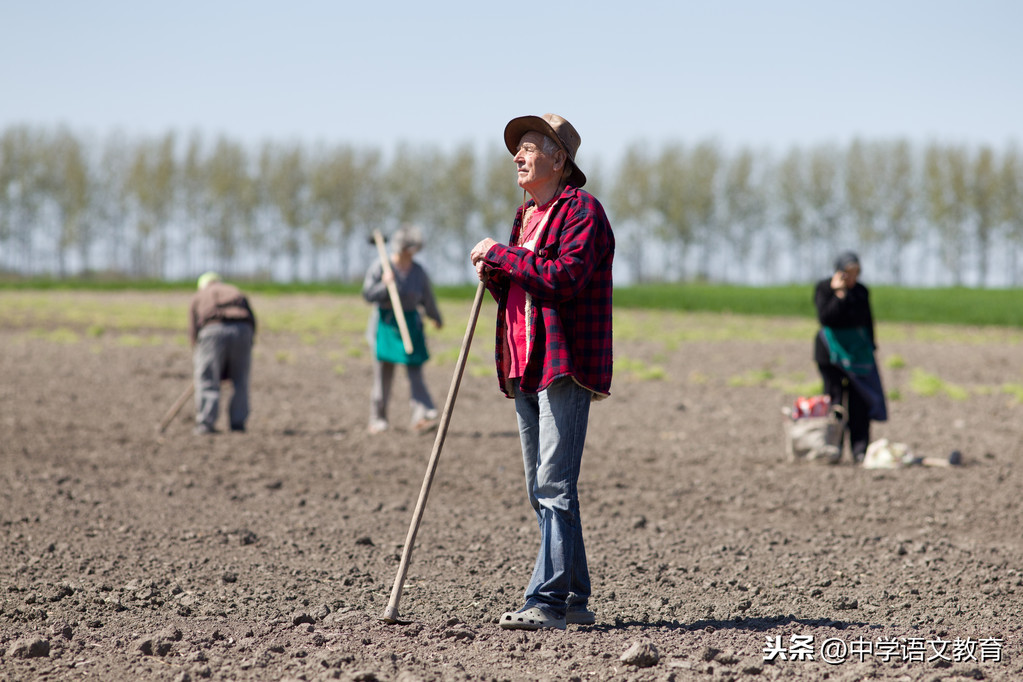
(950, 305)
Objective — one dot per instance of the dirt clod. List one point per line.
(641, 655)
(29, 648)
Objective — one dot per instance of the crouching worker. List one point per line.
(221, 327)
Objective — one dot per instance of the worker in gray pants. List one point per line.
(221, 329)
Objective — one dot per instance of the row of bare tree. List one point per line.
(170, 207)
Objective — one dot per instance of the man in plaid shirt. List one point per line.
(552, 283)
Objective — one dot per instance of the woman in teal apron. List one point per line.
(384, 336)
(844, 350)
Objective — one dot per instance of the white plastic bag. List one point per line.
(884, 454)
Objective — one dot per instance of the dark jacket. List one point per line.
(832, 311)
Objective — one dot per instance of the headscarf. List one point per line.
(407, 237)
(845, 259)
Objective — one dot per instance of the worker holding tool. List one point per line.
(221, 327)
(844, 349)
(399, 287)
(552, 283)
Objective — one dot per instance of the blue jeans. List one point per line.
(552, 429)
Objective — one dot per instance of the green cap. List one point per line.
(207, 277)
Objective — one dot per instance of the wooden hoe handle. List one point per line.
(391, 612)
(392, 289)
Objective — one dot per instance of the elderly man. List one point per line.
(552, 282)
(221, 327)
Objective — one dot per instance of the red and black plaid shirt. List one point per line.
(569, 279)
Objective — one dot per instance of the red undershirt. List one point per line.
(515, 312)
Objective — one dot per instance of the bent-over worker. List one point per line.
(221, 328)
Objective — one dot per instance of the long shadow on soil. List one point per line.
(752, 624)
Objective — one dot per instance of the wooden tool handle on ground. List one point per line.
(391, 612)
(392, 289)
(176, 407)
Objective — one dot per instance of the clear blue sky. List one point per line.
(768, 73)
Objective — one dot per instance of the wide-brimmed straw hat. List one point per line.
(554, 127)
